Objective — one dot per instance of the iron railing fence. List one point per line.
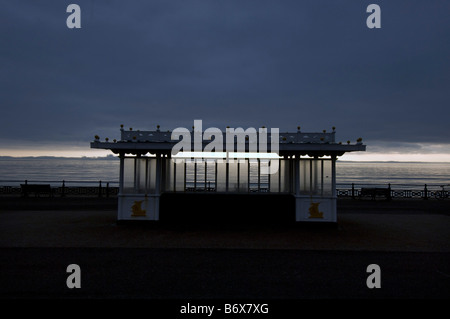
(59, 188)
(62, 188)
(418, 191)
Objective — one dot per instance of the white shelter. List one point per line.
(304, 167)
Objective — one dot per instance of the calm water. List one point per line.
(107, 170)
(58, 169)
(396, 173)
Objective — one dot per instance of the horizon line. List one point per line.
(111, 156)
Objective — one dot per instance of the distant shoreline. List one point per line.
(108, 157)
(114, 157)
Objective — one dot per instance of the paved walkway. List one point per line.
(384, 229)
(235, 262)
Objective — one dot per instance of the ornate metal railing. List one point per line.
(357, 191)
(59, 188)
(111, 189)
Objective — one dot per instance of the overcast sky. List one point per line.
(242, 63)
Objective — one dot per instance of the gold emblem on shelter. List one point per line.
(137, 209)
(314, 211)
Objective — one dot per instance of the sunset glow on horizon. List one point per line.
(78, 152)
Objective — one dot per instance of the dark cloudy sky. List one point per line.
(242, 63)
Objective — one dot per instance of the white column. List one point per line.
(158, 174)
(155, 199)
(227, 172)
(297, 175)
(316, 179)
(121, 172)
(333, 175)
(321, 177)
(259, 174)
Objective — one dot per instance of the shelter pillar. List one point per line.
(315, 199)
(140, 188)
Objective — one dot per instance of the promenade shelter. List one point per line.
(300, 164)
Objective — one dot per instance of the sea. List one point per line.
(14, 171)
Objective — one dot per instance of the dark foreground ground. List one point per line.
(171, 264)
(151, 273)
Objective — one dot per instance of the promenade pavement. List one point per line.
(409, 240)
(362, 225)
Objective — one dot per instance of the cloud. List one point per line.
(238, 63)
